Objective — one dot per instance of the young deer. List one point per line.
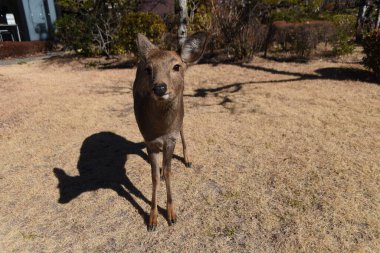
(158, 105)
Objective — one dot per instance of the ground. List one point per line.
(285, 159)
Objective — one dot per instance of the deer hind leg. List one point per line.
(185, 154)
(153, 157)
(167, 157)
(162, 176)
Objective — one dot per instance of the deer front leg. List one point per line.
(168, 153)
(185, 155)
(153, 157)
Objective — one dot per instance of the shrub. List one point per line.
(289, 15)
(140, 22)
(301, 37)
(117, 49)
(343, 33)
(90, 27)
(249, 41)
(343, 43)
(171, 22)
(238, 28)
(297, 12)
(371, 46)
(201, 20)
(305, 40)
(75, 34)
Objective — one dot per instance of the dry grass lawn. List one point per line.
(285, 159)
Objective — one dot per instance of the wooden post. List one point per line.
(182, 29)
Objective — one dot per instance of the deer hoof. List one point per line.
(188, 165)
(152, 227)
(172, 222)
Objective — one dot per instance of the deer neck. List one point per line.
(166, 111)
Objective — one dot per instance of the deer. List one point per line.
(159, 108)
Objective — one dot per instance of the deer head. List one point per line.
(162, 72)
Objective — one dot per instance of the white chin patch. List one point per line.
(166, 96)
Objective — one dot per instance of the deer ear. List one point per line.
(194, 47)
(144, 46)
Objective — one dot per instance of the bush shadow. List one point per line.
(290, 59)
(62, 59)
(101, 165)
(98, 62)
(331, 73)
(348, 74)
(127, 64)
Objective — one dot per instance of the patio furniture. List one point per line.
(6, 32)
(7, 28)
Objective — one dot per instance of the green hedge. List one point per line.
(75, 32)
(140, 22)
(344, 43)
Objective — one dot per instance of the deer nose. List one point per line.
(160, 89)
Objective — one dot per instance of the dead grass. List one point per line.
(286, 159)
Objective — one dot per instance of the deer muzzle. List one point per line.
(160, 89)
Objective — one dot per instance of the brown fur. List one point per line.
(160, 119)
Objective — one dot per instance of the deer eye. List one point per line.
(148, 70)
(176, 67)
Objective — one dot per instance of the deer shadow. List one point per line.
(101, 165)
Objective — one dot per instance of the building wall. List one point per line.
(40, 16)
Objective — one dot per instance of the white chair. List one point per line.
(6, 32)
(10, 21)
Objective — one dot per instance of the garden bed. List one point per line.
(23, 48)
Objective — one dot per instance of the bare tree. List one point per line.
(377, 26)
(103, 33)
(182, 30)
(361, 19)
(193, 4)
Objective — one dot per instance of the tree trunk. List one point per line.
(182, 30)
(378, 16)
(363, 7)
